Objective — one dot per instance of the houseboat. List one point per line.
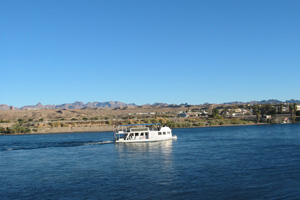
(142, 133)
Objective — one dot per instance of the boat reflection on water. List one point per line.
(156, 157)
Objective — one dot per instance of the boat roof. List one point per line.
(129, 125)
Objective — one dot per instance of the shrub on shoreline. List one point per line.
(15, 129)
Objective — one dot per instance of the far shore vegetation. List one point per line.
(182, 117)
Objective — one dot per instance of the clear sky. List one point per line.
(147, 51)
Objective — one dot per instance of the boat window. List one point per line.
(136, 134)
(159, 133)
(146, 134)
(169, 133)
(142, 134)
(164, 133)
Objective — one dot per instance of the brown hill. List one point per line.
(6, 107)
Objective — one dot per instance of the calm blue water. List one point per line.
(248, 162)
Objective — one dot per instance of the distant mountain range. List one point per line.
(270, 101)
(75, 105)
(116, 104)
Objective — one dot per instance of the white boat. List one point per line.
(142, 133)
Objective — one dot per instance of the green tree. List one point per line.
(257, 112)
(295, 108)
(215, 113)
(268, 109)
(280, 108)
(291, 109)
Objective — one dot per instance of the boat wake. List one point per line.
(97, 143)
(52, 145)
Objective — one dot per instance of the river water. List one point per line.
(246, 162)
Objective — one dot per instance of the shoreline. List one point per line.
(71, 130)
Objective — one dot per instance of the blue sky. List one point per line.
(147, 51)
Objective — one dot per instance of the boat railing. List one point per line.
(126, 128)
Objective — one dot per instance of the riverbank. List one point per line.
(57, 130)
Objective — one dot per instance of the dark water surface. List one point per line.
(248, 162)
